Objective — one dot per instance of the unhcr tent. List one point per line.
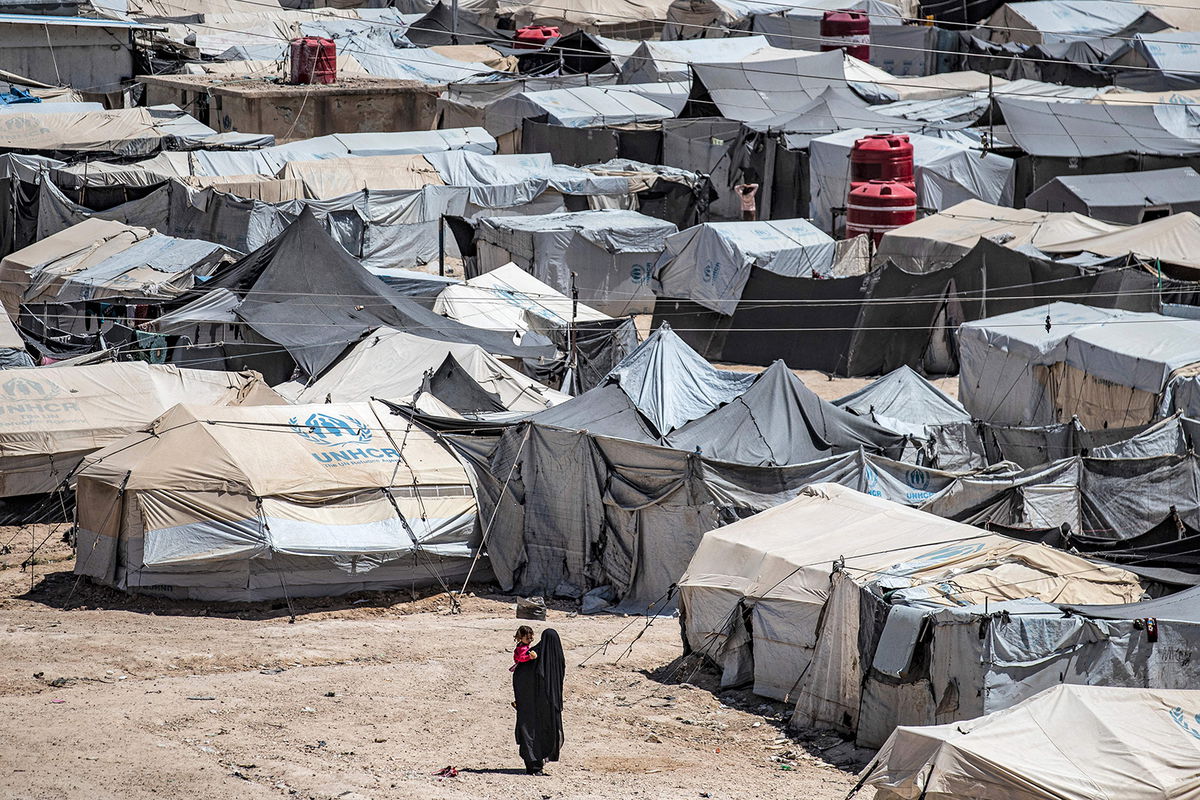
(1051, 21)
(1068, 742)
(1048, 364)
(905, 402)
(1088, 130)
(53, 416)
(274, 502)
(658, 61)
(710, 263)
(940, 240)
(760, 86)
(1161, 61)
(1126, 198)
(947, 173)
(607, 255)
(391, 365)
(101, 260)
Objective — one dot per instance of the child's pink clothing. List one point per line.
(520, 656)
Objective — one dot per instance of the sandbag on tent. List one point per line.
(607, 255)
(304, 275)
(53, 416)
(1047, 364)
(390, 364)
(710, 263)
(274, 502)
(1069, 742)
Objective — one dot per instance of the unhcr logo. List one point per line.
(339, 435)
(25, 401)
(1182, 721)
(22, 388)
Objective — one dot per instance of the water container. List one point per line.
(882, 157)
(314, 60)
(876, 207)
(847, 30)
(535, 36)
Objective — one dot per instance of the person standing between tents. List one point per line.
(747, 193)
(538, 692)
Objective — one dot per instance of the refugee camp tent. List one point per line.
(304, 275)
(1139, 744)
(391, 365)
(1161, 61)
(1048, 364)
(582, 107)
(784, 567)
(53, 416)
(940, 240)
(607, 255)
(272, 502)
(12, 346)
(947, 173)
(710, 263)
(1060, 20)
(1127, 198)
(658, 61)
(904, 402)
(835, 109)
(101, 260)
(510, 299)
(1074, 130)
(1164, 242)
(715, 19)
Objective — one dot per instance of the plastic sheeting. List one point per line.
(1083, 130)
(947, 173)
(761, 86)
(658, 61)
(1122, 197)
(582, 107)
(904, 402)
(1060, 20)
(710, 263)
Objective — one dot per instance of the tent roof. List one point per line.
(1120, 189)
(1181, 606)
(835, 109)
(671, 60)
(390, 364)
(505, 298)
(1060, 20)
(275, 451)
(1174, 239)
(940, 240)
(904, 402)
(779, 421)
(315, 299)
(1140, 744)
(615, 230)
(1082, 130)
(590, 106)
(767, 83)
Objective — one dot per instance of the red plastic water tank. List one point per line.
(314, 60)
(847, 30)
(877, 207)
(882, 157)
(536, 35)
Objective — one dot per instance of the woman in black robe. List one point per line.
(538, 687)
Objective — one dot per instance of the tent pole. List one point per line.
(453, 21)
(442, 244)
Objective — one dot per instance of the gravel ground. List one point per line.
(105, 695)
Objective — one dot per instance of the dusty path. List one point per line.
(127, 698)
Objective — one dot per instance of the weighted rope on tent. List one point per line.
(419, 550)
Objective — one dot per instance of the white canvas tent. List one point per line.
(53, 416)
(1043, 366)
(1069, 743)
(273, 502)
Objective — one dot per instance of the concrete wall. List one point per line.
(290, 115)
(85, 58)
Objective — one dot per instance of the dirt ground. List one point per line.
(110, 696)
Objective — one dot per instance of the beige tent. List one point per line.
(940, 240)
(51, 417)
(1067, 743)
(1173, 240)
(102, 259)
(391, 365)
(124, 131)
(336, 177)
(252, 502)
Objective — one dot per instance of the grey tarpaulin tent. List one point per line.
(1161, 61)
(1128, 198)
(607, 255)
(904, 402)
(304, 275)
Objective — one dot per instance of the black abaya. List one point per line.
(538, 688)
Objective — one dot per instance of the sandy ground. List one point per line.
(108, 696)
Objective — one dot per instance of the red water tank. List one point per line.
(536, 35)
(847, 30)
(314, 60)
(877, 207)
(882, 157)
